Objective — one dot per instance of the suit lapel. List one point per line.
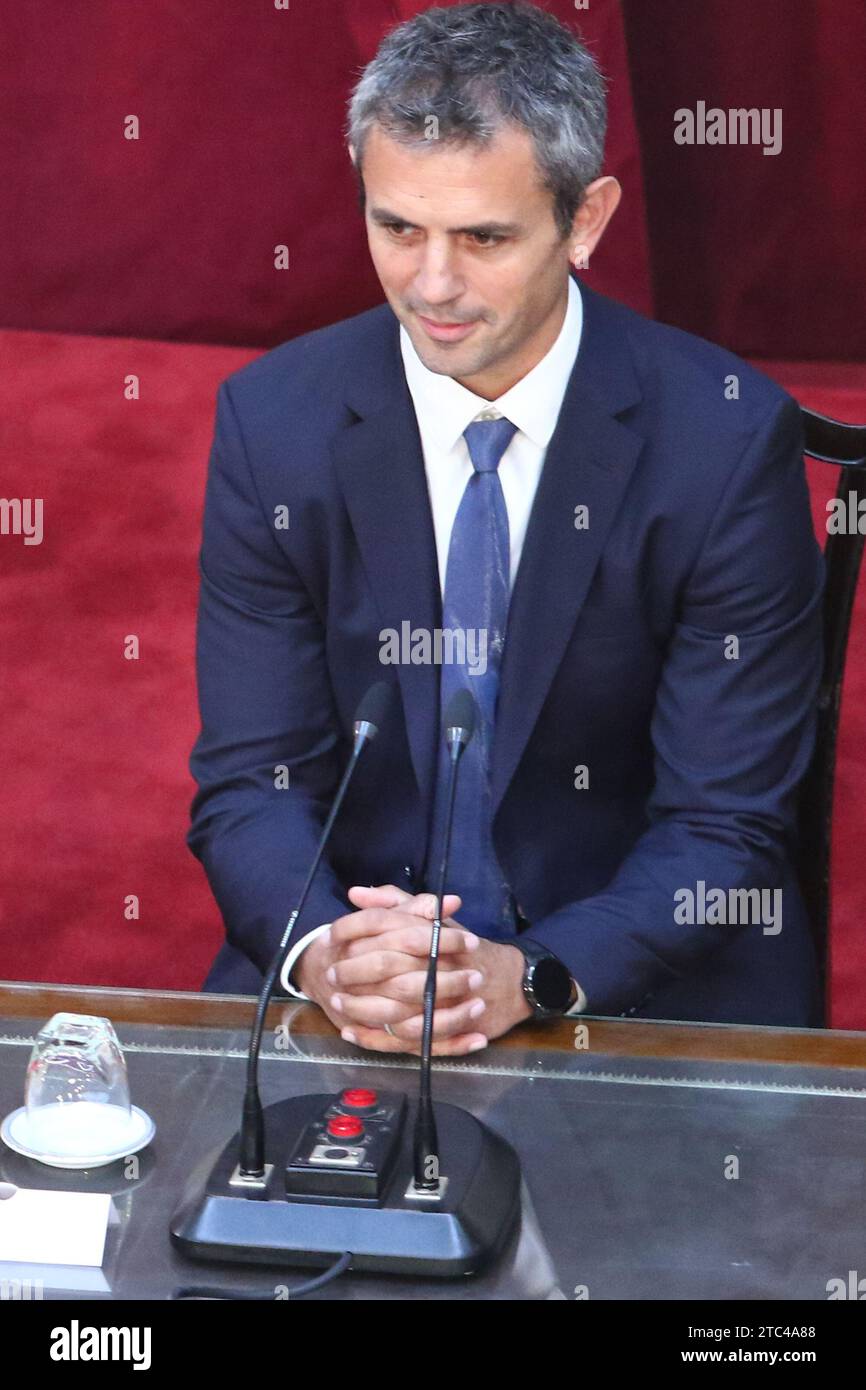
(380, 466)
(588, 462)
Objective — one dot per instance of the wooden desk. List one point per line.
(615, 1037)
(626, 1145)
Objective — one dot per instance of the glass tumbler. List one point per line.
(77, 1091)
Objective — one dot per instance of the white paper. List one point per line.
(55, 1228)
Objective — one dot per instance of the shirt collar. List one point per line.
(445, 408)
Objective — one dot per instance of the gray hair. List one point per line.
(466, 70)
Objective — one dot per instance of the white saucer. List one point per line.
(13, 1132)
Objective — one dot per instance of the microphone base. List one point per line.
(400, 1231)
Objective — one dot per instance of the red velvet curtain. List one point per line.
(764, 253)
(240, 107)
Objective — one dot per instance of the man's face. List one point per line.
(465, 244)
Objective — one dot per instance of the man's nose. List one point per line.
(437, 280)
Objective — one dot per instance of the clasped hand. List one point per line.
(369, 969)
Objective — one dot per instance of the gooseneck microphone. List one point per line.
(368, 719)
(459, 726)
(350, 1182)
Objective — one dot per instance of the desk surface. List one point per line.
(627, 1146)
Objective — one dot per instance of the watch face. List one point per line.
(551, 984)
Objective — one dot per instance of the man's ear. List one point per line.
(600, 202)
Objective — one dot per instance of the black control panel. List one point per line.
(347, 1147)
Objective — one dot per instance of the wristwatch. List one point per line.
(548, 987)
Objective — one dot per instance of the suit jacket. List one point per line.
(667, 639)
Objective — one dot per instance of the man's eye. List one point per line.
(486, 239)
(401, 231)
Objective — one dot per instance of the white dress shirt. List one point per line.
(443, 409)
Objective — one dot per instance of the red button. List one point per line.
(359, 1098)
(345, 1127)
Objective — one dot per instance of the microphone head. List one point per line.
(461, 717)
(373, 708)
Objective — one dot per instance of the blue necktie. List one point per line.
(475, 611)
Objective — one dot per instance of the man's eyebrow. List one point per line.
(382, 216)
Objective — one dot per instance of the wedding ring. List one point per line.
(390, 1031)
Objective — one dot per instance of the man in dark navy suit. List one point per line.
(503, 481)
